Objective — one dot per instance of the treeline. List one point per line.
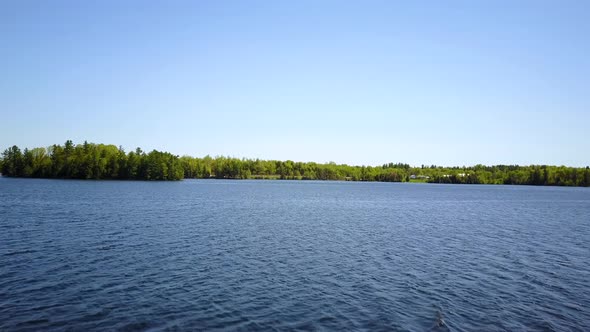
(90, 161)
(98, 161)
(539, 175)
(233, 168)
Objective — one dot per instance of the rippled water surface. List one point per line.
(281, 255)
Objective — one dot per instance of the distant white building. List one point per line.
(460, 175)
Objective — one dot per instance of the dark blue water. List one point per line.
(272, 255)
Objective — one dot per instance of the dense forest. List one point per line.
(99, 161)
(90, 161)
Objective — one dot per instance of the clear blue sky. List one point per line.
(357, 82)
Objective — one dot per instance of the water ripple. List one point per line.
(281, 256)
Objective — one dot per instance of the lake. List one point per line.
(292, 255)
